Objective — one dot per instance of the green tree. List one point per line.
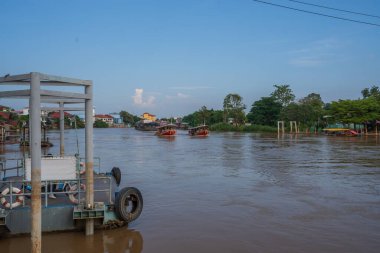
(373, 91)
(100, 124)
(292, 112)
(283, 94)
(204, 114)
(234, 108)
(265, 111)
(13, 116)
(312, 109)
(78, 121)
(209, 117)
(128, 118)
(356, 111)
(190, 119)
(216, 116)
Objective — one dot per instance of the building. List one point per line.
(148, 116)
(5, 112)
(105, 118)
(116, 118)
(25, 111)
(4, 108)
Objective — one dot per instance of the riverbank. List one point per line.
(223, 127)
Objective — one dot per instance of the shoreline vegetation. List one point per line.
(280, 109)
(224, 127)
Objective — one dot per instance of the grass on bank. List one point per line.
(223, 127)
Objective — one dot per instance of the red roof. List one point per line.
(2, 107)
(5, 115)
(103, 116)
(56, 115)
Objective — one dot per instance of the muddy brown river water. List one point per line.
(232, 192)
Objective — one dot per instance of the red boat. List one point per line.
(167, 130)
(340, 132)
(199, 131)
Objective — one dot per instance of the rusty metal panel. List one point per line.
(55, 218)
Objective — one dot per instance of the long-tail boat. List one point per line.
(340, 132)
(166, 130)
(199, 131)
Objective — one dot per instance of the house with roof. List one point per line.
(105, 118)
(56, 115)
(148, 116)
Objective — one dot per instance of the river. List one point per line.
(232, 192)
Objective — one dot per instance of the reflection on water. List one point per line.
(233, 192)
(116, 240)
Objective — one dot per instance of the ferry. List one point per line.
(166, 130)
(59, 192)
(199, 131)
(145, 125)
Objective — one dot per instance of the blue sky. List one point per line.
(171, 57)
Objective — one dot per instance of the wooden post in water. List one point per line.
(61, 129)
(35, 150)
(280, 123)
(2, 134)
(376, 122)
(293, 123)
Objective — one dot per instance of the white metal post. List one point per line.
(35, 150)
(89, 157)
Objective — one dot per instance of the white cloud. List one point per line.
(189, 87)
(138, 99)
(306, 61)
(316, 53)
(179, 95)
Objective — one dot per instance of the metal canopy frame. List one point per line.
(36, 96)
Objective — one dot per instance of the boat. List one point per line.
(24, 140)
(340, 132)
(199, 131)
(166, 130)
(146, 126)
(44, 143)
(63, 191)
(60, 192)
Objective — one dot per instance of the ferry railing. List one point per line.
(49, 186)
(96, 163)
(17, 164)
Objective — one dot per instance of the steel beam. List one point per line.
(59, 100)
(66, 109)
(62, 94)
(15, 78)
(15, 94)
(60, 79)
(43, 83)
